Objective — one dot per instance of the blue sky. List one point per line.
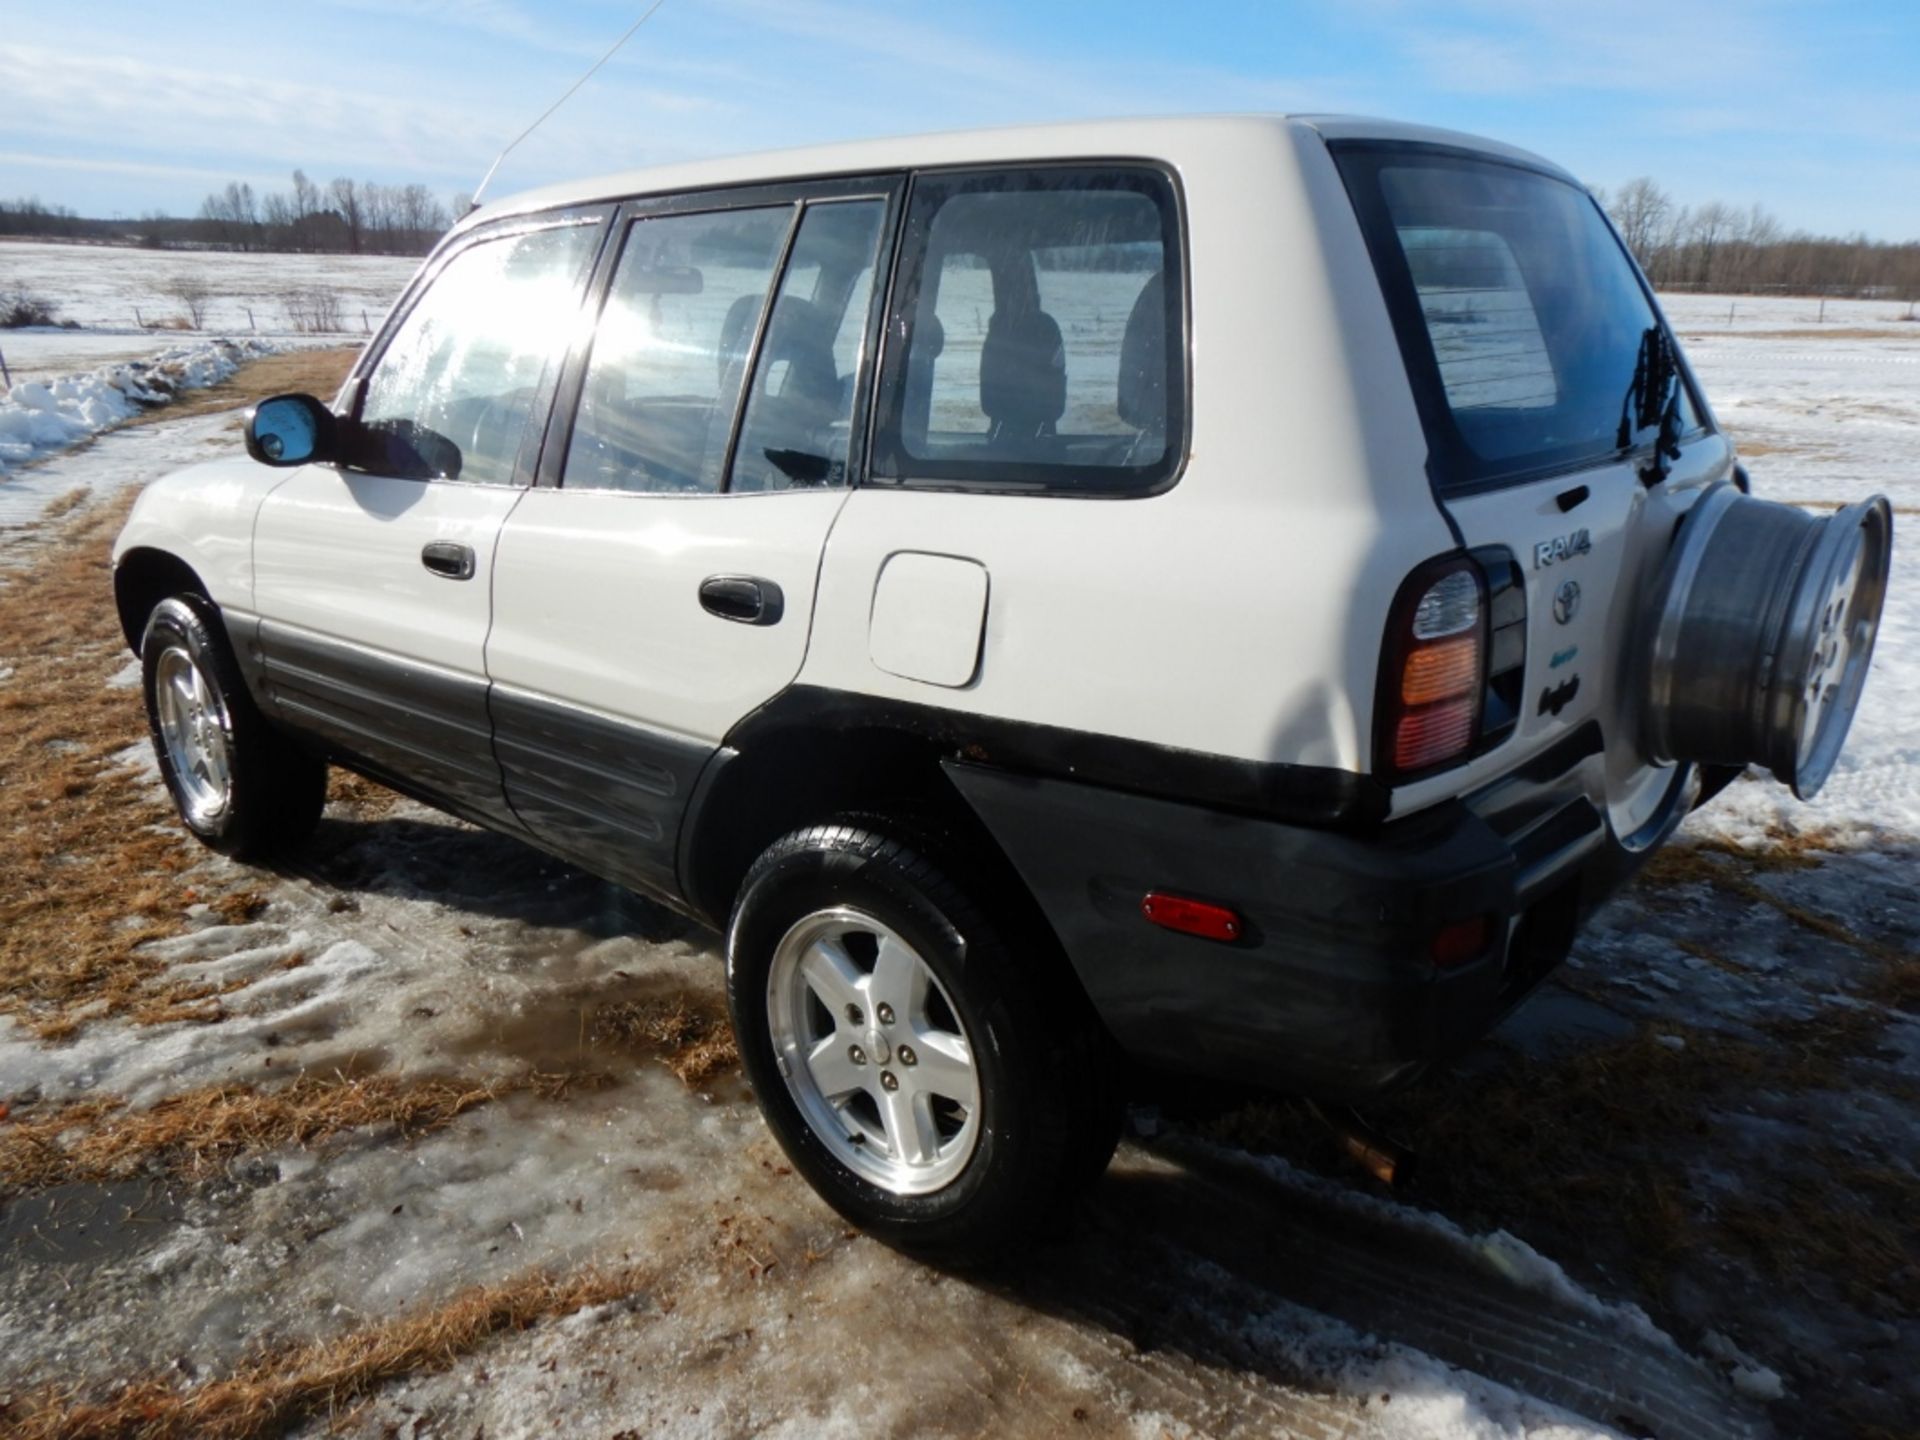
(1812, 109)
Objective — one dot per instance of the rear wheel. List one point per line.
(939, 1089)
(240, 785)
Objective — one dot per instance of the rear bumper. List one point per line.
(1330, 991)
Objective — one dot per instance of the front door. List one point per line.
(372, 578)
(662, 586)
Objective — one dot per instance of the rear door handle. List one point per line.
(449, 558)
(745, 598)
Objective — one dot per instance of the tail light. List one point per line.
(1456, 642)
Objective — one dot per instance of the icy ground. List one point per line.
(1209, 1292)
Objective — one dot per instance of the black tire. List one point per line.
(1048, 1111)
(274, 790)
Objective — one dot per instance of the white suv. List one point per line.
(1223, 596)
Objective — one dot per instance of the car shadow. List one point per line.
(1186, 1251)
(478, 871)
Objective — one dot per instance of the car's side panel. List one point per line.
(203, 516)
(597, 602)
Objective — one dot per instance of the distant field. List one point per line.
(122, 289)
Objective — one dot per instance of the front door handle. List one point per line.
(745, 598)
(449, 558)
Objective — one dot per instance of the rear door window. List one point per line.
(670, 355)
(796, 430)
(1519, 315)
(1038, 334)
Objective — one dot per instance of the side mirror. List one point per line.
(290, 430)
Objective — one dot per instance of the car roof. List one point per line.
(1163, 138)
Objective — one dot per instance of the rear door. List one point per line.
(373, 578)
(1523, 324)
(658, 585)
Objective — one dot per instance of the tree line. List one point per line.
(1719, 247)
(352, 217)
(342, 216)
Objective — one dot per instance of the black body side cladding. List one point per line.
(424, 729)
(606, 794)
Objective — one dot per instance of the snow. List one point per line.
(1746, 1374)
(39, 417)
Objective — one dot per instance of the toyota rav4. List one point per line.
(1222, 596)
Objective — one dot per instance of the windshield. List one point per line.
(1519, 316)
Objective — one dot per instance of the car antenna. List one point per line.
(612, 50)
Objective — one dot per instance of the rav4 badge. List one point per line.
(1561, 547)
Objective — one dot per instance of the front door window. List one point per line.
(452, 392)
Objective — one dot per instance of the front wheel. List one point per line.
(939, 1090)
(241, 787)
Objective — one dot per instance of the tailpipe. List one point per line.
(1391, 1164)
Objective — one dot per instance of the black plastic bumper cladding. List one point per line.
(1329, 992)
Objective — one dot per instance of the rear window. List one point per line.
(1519, 316)
(1037, 334)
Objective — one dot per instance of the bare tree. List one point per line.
(1640, 209)
(194, 294)
(306, 204)
(347, 205)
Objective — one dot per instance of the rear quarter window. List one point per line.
(1037, 334)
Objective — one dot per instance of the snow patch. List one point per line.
(1747, 1375)
(39, 417)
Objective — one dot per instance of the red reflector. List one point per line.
(1191, 917)
(1462, 941)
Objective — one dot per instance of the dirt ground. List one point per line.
(425, 1134)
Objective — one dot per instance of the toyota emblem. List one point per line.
(1566, 601)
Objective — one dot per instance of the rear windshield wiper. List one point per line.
(1653, 398)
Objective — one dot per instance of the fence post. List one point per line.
(250, 325)
(7, 375)
(1730, 306)
(366, 324)
(136, 318)
(1823, 310)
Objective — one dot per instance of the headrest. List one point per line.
(800, 336)
(1142, 399)
(1023, 371)
(736, 334)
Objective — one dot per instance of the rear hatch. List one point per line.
(1544, 377)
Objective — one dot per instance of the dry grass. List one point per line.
(195, 1134)
(278, 1389)
(89, 862)
(313, 372)
(695, 1042)
(1854, 1228)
